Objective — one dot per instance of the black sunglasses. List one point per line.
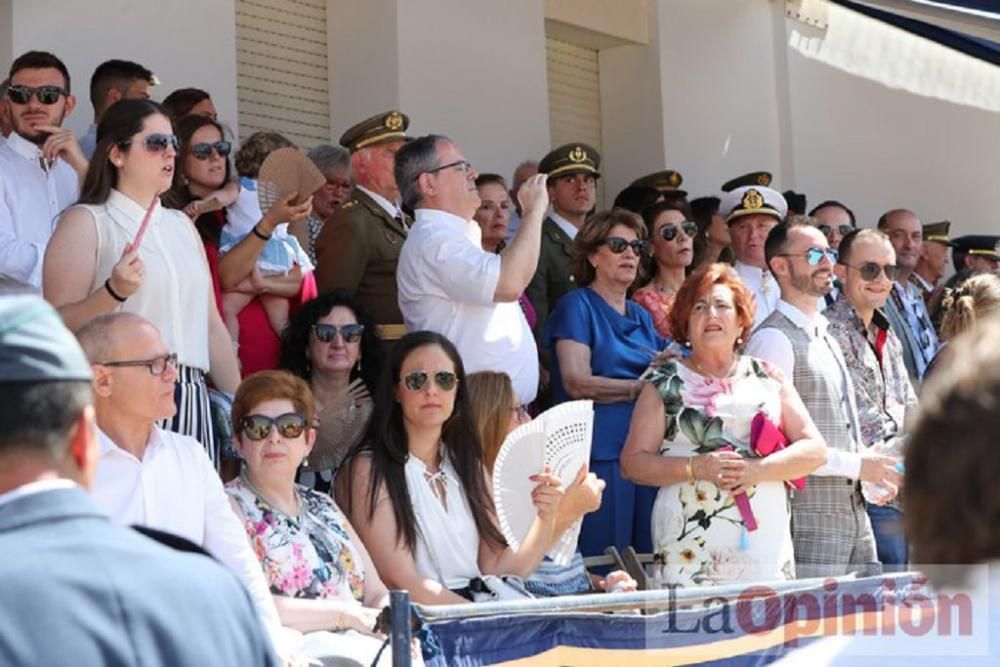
(415, 380)
(871, 270)
(156, 142)
(669, 231)
(258, 427)
(204, 151)
(843, 230)
(617, 245)
(351, 333)
(44, 94)
(814, 255)
(156, 365)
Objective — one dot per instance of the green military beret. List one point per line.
(380, 128)
(753, 178)
(938, 232)
(574, 158)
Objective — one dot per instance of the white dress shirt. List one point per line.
(446, 284)
(175, 488)
(764, 287)
(32, 195)
(568, 227)
(773, 346)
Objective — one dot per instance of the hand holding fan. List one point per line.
(284, 171)
(559, 438)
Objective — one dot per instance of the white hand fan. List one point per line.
(560, 438)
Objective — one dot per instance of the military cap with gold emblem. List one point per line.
(380, 128)
(574, 158)
(753, 200)
(667, 180)
(938, 233)
(980, 245)
(752, 178)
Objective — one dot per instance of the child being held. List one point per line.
(282, 253)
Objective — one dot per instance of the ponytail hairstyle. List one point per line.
(965, 304)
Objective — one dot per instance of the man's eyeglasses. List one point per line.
(351, 333)
(258, 427)
(463, 167)
(814, 255)
(156, 365)
(870, 270)
(44, 94)
(843, 230)
(669, 231)
(156, 142)
(617, 245)
(204, 151)
(415, 380)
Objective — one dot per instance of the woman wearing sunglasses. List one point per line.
(601, 342)
(320, 574)
(203, 171)
(672, 232)
(417, 491)
(332, 344)
(92, 265)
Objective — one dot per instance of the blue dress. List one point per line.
(621, 347)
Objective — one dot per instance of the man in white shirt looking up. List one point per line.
(150, 477)
(447, 283)
(41, 164)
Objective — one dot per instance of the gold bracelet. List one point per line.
(690, 469)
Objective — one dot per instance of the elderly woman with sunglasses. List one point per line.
(95, 263)
(672, 232)
(601, 342)
(320, 574)
(417, 490)
(332, 344)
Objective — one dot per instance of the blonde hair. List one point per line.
(963, 305)
(492, 398)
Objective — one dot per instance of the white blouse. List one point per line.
(447, 547)
(175, 294)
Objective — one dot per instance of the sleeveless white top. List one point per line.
(175, 294)
(447, 548)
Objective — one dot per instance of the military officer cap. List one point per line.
(667, 180)
(573, 158)
(753, 200)
(380, 128)
(981, 245)
(938, 233)
(753, 178)
(35, 345)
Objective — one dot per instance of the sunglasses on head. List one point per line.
(617, 245)
(156, 142)
(843, 230)
(258, 427)
(44, 94)
(204, 151)
(415, 380)
(871, 270)
(670, 230)
(351, 333)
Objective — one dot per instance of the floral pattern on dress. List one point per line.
(658, 304)
(310, 557)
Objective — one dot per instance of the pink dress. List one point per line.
(658, 304)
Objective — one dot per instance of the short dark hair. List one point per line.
(255, 149)
(116, 74)
(180, 102)
(486, 179)
(847, 243)
(635, 198)
(883, 220)
(414, 158)
(777, 238)
(834, 203)
(592, 235)
(39, 60)
(36, 417)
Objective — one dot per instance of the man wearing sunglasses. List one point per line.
(835, 220)
(882, 388)
(41, 164)
(5, 126)
(151, 477)
(448, 283)
(114, 80)
(830, 529)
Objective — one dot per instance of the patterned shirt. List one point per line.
(882, 388)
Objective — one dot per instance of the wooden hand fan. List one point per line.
(342, 424)
(284, 171)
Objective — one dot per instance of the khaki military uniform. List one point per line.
(554, 275)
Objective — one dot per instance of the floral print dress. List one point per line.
(698, 533)
(306, 557)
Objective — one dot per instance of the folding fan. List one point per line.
(284, 171)
(559, 438)
(342, 423)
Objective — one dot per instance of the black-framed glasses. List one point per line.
(814, 255)
(463, 167)
(351, 333)
(871, 270)
(258, 427)
(669, 231)
(157, 142)
(415, 380)
(156, 365)
(617, 245)
(204, 151)
(843, 230)
(44, 94)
